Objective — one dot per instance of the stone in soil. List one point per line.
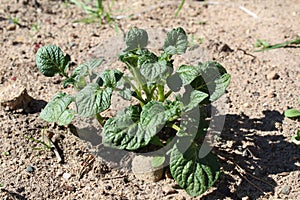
(143, 170)
(66, 176)
(272, 75)
(29, 169)
(286, 190)
(168, 190)
(15, 97)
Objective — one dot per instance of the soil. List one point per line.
(258, 158)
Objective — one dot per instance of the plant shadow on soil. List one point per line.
(261, 157)
(264, 156)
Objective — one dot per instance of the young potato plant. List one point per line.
(294, 114)
(170, 109)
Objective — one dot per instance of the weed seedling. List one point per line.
(96, 12)
(294, 114)
(264, 45)
(46, 145)
(170, 109)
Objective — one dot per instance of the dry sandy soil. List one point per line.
(258, 159)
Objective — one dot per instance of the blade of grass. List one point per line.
(179, 7)
(266, 46)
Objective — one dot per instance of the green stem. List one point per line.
(279, 45)
(140, 82)
(179, 7)
(174, 126)
(161, 92)
(100, 119)
(168, 94)
(142, 101)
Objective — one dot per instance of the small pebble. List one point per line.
(11, 27)
(59, 172)
(272, 75)
(247, 105)
(168, 190)
(108, 187)
(66, 176)
(271, 95)
(29, 169)
(256, 94)
(286, 190)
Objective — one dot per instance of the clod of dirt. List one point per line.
(143, 170)
(15, 97)
(168, 190)
(11, 27)
(272, 75)
(286, 190)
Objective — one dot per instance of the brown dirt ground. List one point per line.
(255, 103)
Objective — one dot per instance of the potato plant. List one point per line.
(171, 106)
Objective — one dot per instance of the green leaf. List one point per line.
(176, 42)
(136, 39)
(78, 78)
(193, 174)
(188, 73)
(299, 99)
(124, 89)
(195, 98)
(1, 185)
(296, 138)
(50, 60)
(92, 99)
(173, 110)
(213, 80)
(291, 113)
(153, 117)
(158, 161)
(155, 71)
(132, 128)
(130, 58)
(56, 110)
(109, 78)
(124, 132)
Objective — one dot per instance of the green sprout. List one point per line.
(294, 114)
(263, 45)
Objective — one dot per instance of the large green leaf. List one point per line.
(50, 60)
(136, 38)
(57, 109)
(109, 78)
(124, 88)
(176, 42)
(123, 131)
(193, 174)
(291, 113)
(92, 99)
(153, 117)
(188, 73)
(213, 80)
(132, 128)
(155, 71)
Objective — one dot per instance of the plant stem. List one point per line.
(168, 94)
(279, 45)
(174, 126)
(161, 92)
(100, 119)
(179, 7)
